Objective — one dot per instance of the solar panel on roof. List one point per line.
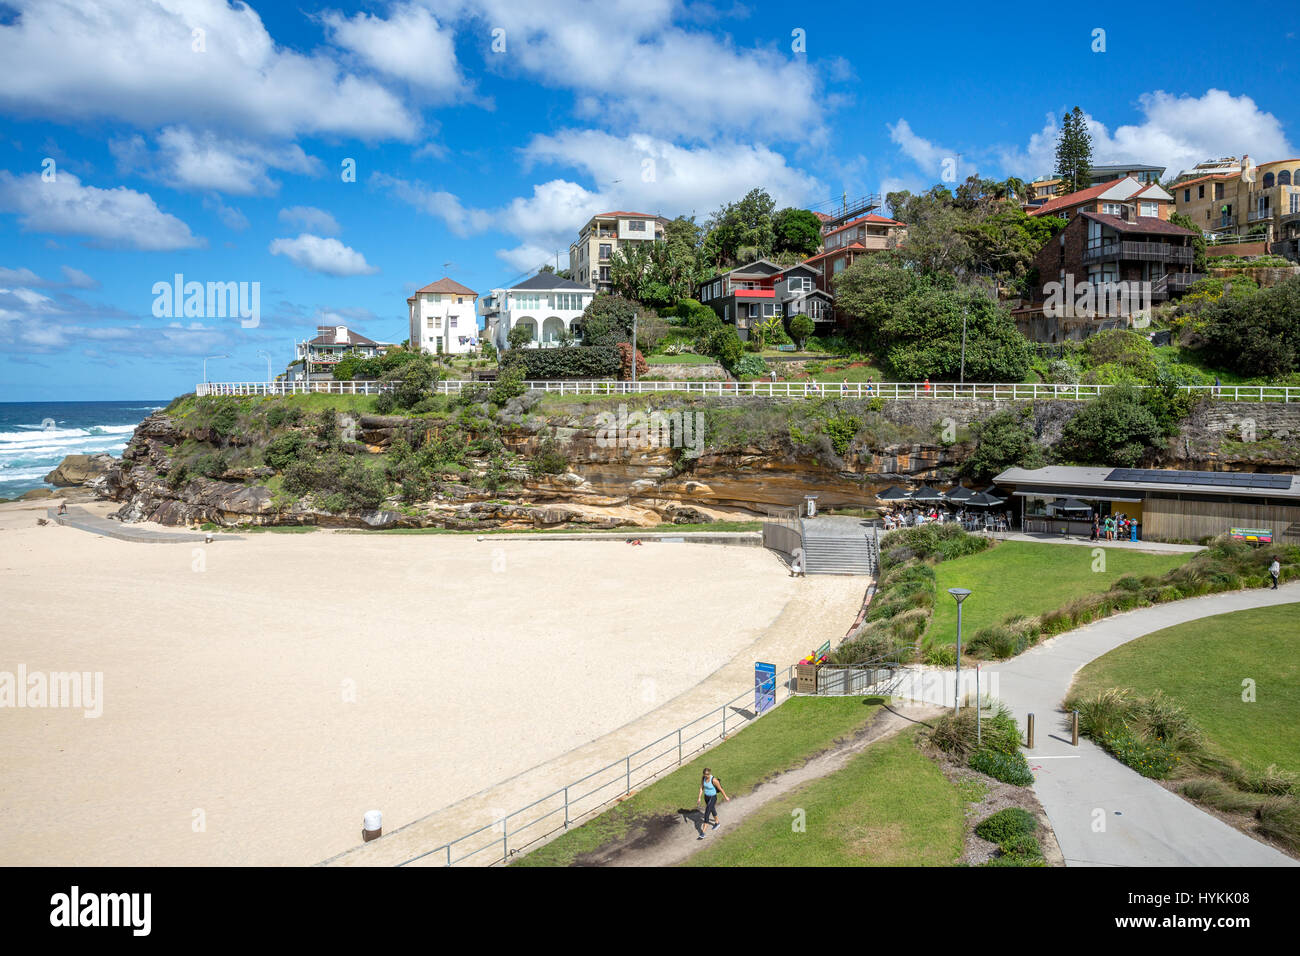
(1201, 478)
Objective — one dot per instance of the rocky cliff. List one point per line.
(610, 466)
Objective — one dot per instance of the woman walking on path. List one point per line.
(1274, 569)
(710, 787)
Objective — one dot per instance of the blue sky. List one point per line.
(209, 139)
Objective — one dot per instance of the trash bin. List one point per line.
(1133, 531)
(806, 678)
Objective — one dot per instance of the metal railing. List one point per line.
(791, 390)
(561, 808)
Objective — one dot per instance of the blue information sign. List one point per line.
(764, 686)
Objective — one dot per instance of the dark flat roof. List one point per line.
(1107, 482)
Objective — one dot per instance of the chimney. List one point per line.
(340, 334)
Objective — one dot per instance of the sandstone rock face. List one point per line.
(641, 483)
(79, 469)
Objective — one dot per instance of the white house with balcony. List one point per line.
(546, 304)
(317, 357)
(444, 318)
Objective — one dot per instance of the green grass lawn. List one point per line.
(1202, 664)
(889, 806)
(1022, 577)
(785, 738)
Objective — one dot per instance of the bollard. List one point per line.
(1074, 727)
(1029, 733)
(372, 826)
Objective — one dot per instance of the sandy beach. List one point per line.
(260, 695)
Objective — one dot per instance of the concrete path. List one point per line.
(83, 520)
(1105, 814)
(1160, 547)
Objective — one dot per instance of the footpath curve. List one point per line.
(1104, 813)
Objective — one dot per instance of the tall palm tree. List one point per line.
(1015, 189)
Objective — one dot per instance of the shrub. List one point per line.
(1007, 825)
(749, 365)
(580, 361)
(1280, 820)
(548, 459)
(1151, 758)
(1220, 796)
(1009, 768)
(285, 449)
(941, 655)
(1022, 845)
(509, 384)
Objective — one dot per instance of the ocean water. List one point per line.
(35, 436)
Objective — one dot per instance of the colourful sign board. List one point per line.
(1253, 535)
(764, 686)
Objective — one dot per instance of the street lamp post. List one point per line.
(266, 355)
(205, 364)
(960, 594)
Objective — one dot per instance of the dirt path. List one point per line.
(671, 839)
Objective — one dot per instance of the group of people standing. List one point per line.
(1116, 527)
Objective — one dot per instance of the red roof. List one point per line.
(1201, 179)
(446, 285)
(618, 212)
(1075, 198)
(851, 247)
(869, 217)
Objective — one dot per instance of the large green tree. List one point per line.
(1073, 152)
(1256, 335)
(796, 231)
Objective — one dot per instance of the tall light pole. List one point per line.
(960, 594)
(634, 351)
(205, 364)
(266, 355)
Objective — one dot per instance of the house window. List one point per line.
(428, 322)
(1268, 180)
(1218, 190)
(1295, 202)
(604, 251)
(452, 321)
(1284, 178)
(1112, 209)
(1151, 210)
(838, 266)
(1187, 195)
(1200, 192)
(636, 225)
(604, 273)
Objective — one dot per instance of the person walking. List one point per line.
(710, 787)
(1275, 570)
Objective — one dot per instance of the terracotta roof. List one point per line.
(1073, 199)
(446, 285)
(619, 212)
(869, 217)
(1200, 179)
(851, 247)
(1140, 224)
(821, 215)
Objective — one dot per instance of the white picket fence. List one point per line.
(1016, 392)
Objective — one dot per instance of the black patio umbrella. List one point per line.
(927, 495)
(984, 500)
(894, 493)
(960, 494)
(1073, 504)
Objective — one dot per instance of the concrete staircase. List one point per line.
(839, 553)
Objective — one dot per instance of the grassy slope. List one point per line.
(1021, 577)
(1201, 664)
(780, 740)
(890, 806)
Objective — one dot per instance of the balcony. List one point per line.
(1175, 283)
(1255, 215)
(755, 293)
(1140, 251)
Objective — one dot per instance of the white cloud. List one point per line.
(76, 279)
(629, 64)
(309, 217)
(410, 45)
(26, 278)
(205, 161)
(118, 217)
(926, 154)
(436, 202)
(230, 217)
(137, 62)
(1176, 132)
(328, 256)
